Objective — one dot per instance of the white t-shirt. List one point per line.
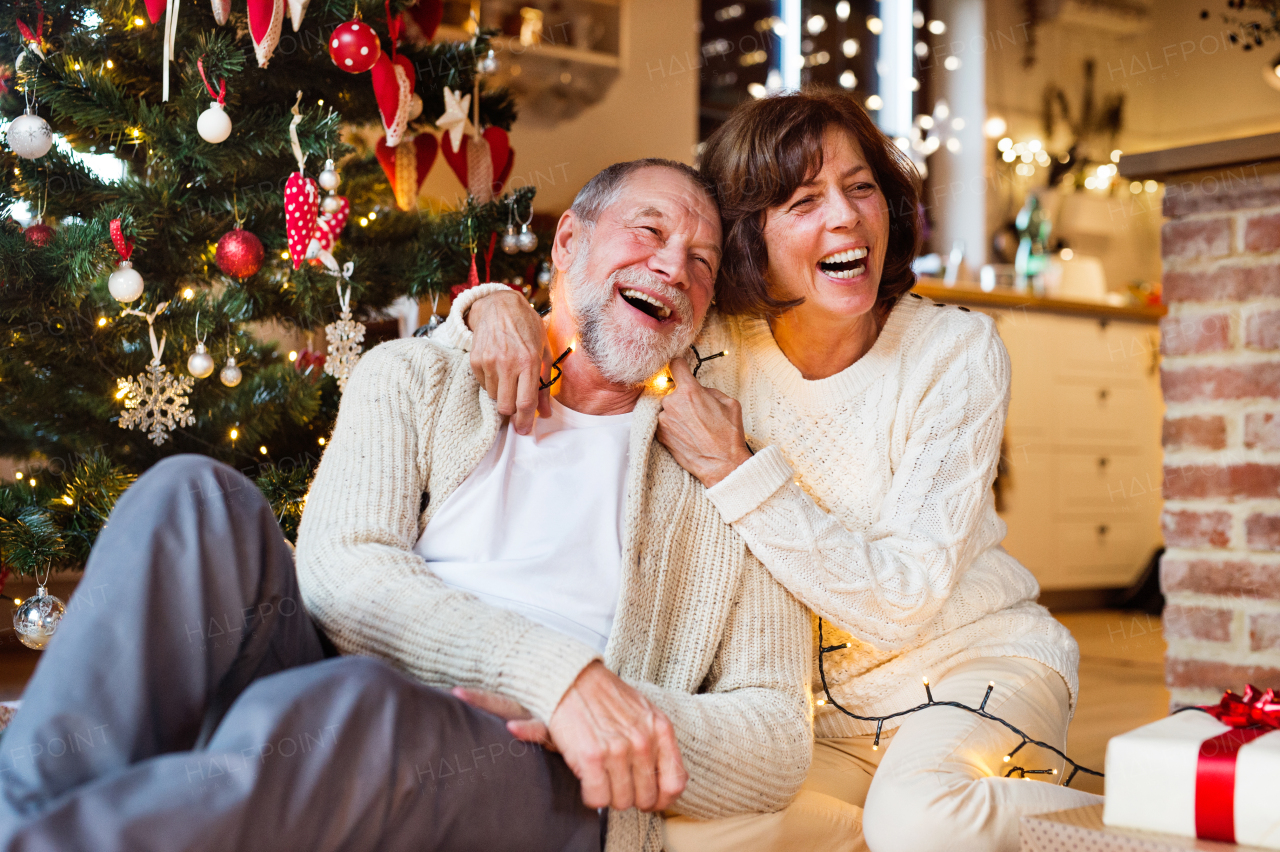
(537, 527)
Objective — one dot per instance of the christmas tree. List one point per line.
(222, 235)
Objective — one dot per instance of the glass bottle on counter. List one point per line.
(1029, 263)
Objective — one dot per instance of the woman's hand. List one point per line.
(702, 427)
(510, 355)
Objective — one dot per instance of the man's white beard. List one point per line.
(625, 353)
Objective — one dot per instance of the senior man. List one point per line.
(602, 610)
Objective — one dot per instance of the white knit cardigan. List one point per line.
(702, 629)
(870, 500)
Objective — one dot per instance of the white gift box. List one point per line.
(1152, 778)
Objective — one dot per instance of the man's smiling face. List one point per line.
(638, 282)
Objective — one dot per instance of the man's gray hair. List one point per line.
(604, 189)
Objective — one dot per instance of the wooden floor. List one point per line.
(1121, 680)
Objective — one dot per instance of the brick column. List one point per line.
(1221, 379)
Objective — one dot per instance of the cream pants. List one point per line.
(935, 783)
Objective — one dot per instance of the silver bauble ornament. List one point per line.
(37, 618)
(231, 374)
(329, 177)
(331, 204)
(125, 283)
(29, 135)
(488, 64)
(544, 275)
(510, 241)
(527, 240)
(200, 364)
(214, 125)
(415, 106)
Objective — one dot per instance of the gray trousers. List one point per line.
(188, 702)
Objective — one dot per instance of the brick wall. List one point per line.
(1221, 379)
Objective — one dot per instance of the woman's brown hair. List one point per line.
(769, 148)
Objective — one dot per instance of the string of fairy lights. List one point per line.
(980, 710)
(824, 649)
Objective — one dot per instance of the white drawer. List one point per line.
(1104, 481)
(1099, 552)
(1101, 412)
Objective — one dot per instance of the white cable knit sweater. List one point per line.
(871, 502)
(701, 629)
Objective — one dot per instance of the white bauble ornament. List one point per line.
(488, 64)
(231, 374)
(214, 125)
(328, 178)
(125, 283)
(527, 239)
(415, 106)
(200, 364)
(37, 619)
(29, 135)
(331, 204)
(510, 241)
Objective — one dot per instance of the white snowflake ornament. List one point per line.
(345, 337)
(155, 401)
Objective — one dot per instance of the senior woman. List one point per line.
(857, 464)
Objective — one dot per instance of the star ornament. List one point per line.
(454, 118)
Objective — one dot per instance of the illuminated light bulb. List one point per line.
(875, 747)
(937, 27)
(373, 214)
(991, 683)
(875, 102)
(33, 482)
(1007, 758)
(1150, 186)
(1067, 254)
(69, 500)
(77, 66)
(364, 222)
(322, 442)
(320, 102)
(293, 355)
(874, 25)
(121, 393)
(188, 293)
(262, 450)
(1115, 155)
(110, 64)
(842, 10)
(1053, 772)
(821, 701)
(926, 680)
(1005, 144)
(284, 255)
(951, 63)
(235, 433)
(848, 644)
(17, 601)
(102, 321)
(19, 474)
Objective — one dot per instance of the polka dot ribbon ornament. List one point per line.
(301, 198)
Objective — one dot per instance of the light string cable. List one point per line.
(980, 710)
(702, 360)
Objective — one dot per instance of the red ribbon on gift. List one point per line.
(1250, 716)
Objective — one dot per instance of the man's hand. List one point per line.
(701, 427)
(510, 355)
(621, 747)
(520, 722)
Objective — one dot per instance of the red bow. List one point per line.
(1254, 708)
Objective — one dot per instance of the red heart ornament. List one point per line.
(393, 84)
(499, 152)
(155, 9)
(407, 166)
(301, 203)
(329, 226)
(265, 20)
(427, 15)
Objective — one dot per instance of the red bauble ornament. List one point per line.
(39, 234)
(239, 253)
(354, 46)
